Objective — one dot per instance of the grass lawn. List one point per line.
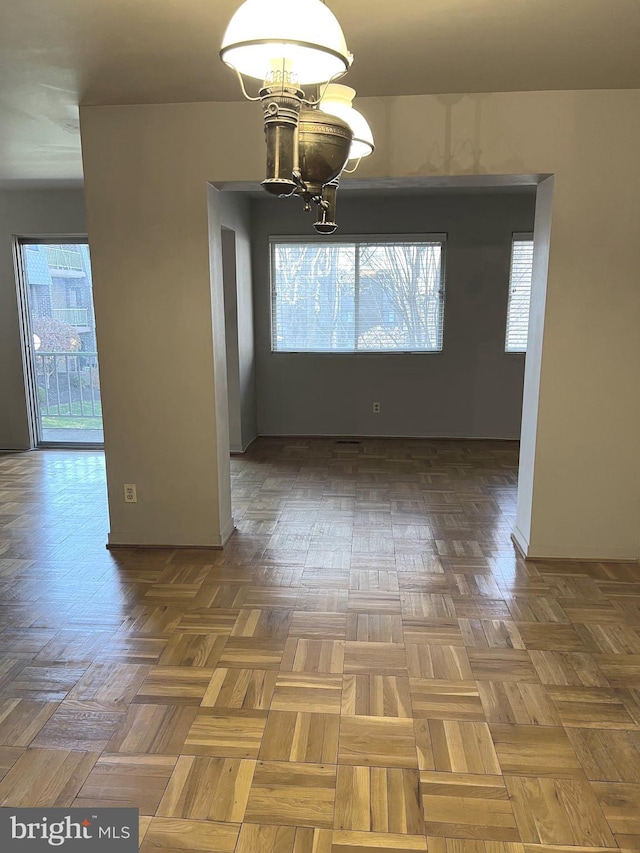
(77, 418)
(71, 423)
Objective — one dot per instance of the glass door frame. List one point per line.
(26, 334)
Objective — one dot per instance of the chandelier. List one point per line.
(287, 44)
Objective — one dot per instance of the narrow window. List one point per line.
(519, 293)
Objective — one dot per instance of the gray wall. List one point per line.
(241, 377)
(230, 290)
(471, 389)
(25, 213)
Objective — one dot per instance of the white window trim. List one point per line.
(429, 237)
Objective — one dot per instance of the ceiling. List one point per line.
(56, 55)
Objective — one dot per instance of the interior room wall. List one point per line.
(229, 283)
(470, 389)
(145, 168)
(544, 216)
(235, 216)
(154, 230)
(25, 213)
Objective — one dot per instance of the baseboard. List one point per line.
(227, 532)
(613, 555)
(238, 451)
(116, 546)
(130, 540)
(520, 541)
(385, 437)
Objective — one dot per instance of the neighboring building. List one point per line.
(59, 283)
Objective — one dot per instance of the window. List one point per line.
(519, 293)
(64, 386)
(364, 294)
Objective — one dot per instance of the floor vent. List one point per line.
(347, 441)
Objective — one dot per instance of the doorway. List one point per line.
(55, 285)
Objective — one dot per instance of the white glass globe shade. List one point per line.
(304, 36)
(337, 100)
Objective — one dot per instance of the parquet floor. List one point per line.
(367, 666)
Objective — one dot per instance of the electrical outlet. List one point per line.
(130, 496)
(376, 408)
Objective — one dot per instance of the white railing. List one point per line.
(68, 384)
(60, 258)
(72, 316)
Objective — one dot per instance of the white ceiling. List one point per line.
(55, 55)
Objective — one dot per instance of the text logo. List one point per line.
(35, 830)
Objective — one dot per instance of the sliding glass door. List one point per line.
(55, 279)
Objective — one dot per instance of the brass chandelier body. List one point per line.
(307, 147)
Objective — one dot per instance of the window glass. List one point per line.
(519, 293)
(366, 295)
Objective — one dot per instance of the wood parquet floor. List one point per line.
(367, 666)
